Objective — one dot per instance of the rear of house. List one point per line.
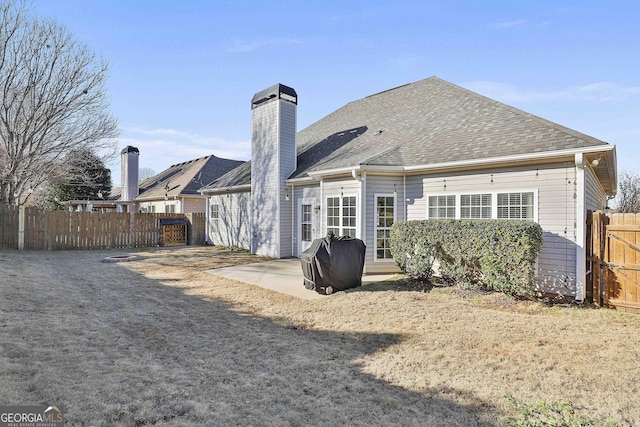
(427, 150)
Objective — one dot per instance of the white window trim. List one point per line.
(375, 223)
(459, 203)
(494, 200)
(214, 221)
(445, 193)
(314, 225)
(341, 227)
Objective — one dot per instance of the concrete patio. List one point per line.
(281, 275)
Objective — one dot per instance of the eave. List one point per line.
(224, 190)
(606, 170)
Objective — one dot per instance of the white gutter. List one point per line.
(515, 158)
(299, 180)
(224, 190)
(294, 245)
(349, 169)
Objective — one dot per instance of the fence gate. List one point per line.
(614, 262)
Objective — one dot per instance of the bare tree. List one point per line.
(52, 100)
(628, 197)
(145, 173)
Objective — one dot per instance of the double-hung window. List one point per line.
(385, 217)
(214, 217)
(306, 222)
(475, 206)
(342, 215)
(511, 205)
(442, 207)
(516, 205)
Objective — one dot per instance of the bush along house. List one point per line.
(425, 150)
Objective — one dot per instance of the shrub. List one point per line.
(496, 254)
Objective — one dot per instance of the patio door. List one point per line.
(307, 224)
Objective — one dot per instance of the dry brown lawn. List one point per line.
(159, 342)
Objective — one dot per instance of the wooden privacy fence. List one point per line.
(613, 260)
(36, 229)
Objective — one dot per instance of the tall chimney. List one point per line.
(273, 160)
(129, 171)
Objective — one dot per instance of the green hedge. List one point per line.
(496, 254)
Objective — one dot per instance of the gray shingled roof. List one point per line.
(427, 122)
(238, 177)
(184, 178)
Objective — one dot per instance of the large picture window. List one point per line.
(385, 217)
(342, 215)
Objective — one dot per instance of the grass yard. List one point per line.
(157, 341)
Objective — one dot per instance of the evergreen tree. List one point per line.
(84, 177)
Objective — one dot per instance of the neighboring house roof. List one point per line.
(238, 177)
(427, 122)
(185, 179)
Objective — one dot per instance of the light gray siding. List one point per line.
(232, 228)
(193, 204)
(273, 160)
(555, 188)
(286, 164)
(595, 196)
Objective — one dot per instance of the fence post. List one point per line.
(596, 243)
(21, 225)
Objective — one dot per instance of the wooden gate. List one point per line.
(613, 260)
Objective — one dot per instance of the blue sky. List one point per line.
(183, 72)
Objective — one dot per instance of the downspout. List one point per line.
(581, 263)
(404, 195)
(207, 208)
(293, 222)
(363, 200)
(321, 202)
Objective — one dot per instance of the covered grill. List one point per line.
(333, 264)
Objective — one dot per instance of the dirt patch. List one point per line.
(157, 341)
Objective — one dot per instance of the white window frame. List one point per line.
(214, 222)
(456, 213)
(494, 200)
(314, 226)
(482, 193)
(535, 209)
(340, 226)
(375, 223)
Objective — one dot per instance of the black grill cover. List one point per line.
(335, 262)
